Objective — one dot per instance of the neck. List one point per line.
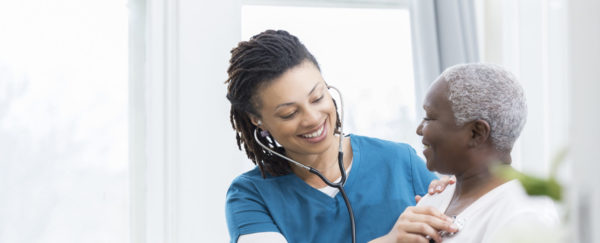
(326, 163)
(480, 179)
(476, 185)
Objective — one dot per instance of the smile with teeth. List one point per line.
(315, 134)
(425, 146)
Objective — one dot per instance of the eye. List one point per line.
(319, 99)
(289, 116)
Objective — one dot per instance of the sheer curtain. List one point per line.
(530, 38)
(444, 34)
(552, 45)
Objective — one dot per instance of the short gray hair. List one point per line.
(491, 93)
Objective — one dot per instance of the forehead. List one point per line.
(437, 96)
(293, 85)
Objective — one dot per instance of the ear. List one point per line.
(254, 119)
(480, 132)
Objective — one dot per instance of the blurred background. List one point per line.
(114, 126)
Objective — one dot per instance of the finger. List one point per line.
(439, 188)
(441, 184)
(432, 186)
(412, 238)
(429, 210)
(434, 222)
(417, 198)
(421, 230)
(430, 216)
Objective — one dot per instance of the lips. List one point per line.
(426, 148)
(317, 135)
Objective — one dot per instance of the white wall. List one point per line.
(209, 158)
(184, 153)
(584, 75)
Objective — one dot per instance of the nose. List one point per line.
(420, 129)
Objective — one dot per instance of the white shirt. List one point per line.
(507, 209)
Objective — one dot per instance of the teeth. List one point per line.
(315, 134)
(426, 146)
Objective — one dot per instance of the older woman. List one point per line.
(474, 114)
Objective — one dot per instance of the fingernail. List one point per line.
(454, 226)
(438, 188)
(430, 190)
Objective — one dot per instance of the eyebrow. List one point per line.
(291, 103)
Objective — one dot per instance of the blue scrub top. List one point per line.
(383, 181)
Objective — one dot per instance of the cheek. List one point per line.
(329, 105)
(329, 108)
(281, 129)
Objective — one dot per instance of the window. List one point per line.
(365, 52)
(63, 121)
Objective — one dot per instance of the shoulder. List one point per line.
(253, 174)
(252, 180)
(507, 211)
(243, 187)
(526, 219)
(518, 208)
(392, 153)
(371, 143)
(539, 209)
(246, 178)
(380, 154)
(515, 196)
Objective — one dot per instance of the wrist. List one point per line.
(381, 239)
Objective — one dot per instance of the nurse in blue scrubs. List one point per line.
(275, 87)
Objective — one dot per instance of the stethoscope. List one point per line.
(339, 185)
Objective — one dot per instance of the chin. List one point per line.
(444, 171)
(430, 167)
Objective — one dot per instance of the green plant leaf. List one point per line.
(533, 185)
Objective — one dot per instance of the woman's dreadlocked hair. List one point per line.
(263, 58)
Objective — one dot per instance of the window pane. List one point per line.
(366, 53)
(63, 121)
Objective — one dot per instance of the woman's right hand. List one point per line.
(416, 223)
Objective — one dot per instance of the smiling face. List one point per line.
(298, 111)
(446, 144)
